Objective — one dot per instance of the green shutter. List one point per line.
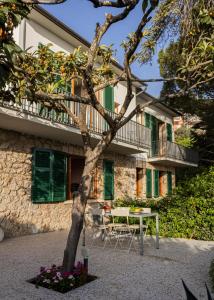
(154, 135)
(49, 176)
(147, 118)
(148, 183)
(169, 182)
(151, 122)
(59, 176)
(109, 98)
(108, 170)
(156, 183)
(169, 132)
(41, 176)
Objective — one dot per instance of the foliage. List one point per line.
(189, 212)
(190, 56)
(54, 278)
(211, 272)
(184, 137)
(11, 14)
(51, 72)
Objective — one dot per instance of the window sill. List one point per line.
(68, 202)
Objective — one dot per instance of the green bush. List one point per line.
(188, 213)
(211, 272)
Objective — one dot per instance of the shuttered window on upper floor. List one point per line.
(49, 176)
(109, 98)
(169, 132)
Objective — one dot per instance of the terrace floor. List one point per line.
(156, 275)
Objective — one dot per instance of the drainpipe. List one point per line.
(22, 34)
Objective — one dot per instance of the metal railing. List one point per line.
(132, 132)
(173, 150)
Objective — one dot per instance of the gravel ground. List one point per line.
(156, 275)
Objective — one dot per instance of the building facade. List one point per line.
(41, 154)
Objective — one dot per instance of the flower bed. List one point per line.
(53, 278)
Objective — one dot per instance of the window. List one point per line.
(152, 122)
(94, 186)
(156, 183)
(49, 173)
(147, 120)
(139, 182)
(109, 98)
(169, 182)
(108, 172)
(169, 132)
(148, 183)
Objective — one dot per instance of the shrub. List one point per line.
(188, 213)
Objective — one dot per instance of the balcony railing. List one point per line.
(132, 132)
(172, 150)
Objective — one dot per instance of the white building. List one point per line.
(41, 156)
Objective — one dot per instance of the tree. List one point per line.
(30, 81)
(192, 55)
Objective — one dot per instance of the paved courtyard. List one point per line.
(156, 275)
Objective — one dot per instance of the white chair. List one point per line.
(99, 228)
(120, 231)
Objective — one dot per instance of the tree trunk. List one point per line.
(78, 212)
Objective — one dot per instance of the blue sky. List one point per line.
(82, 17)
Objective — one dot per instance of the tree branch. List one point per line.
(43, 1)
(117, 4)
(70, 113)
(129, 54)
(61, 97)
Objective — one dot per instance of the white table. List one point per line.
(141, 216)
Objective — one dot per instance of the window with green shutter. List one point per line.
(109, 98)
(41, 176)
(154, 135)
(59, 176)
(156, 183)
(147, 118)
(148, 183)
(152, 122)
(49, 173)
(169, 182)
(169, 132)
(108, 172)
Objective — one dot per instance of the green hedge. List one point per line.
(188, 213)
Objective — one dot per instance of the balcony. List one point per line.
(169, 153)
(32, 119)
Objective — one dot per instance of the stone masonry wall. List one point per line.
(18, 215)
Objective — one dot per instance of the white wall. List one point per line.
(35, 33)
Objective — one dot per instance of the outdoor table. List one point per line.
(141, 216)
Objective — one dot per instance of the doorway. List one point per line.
(161, 183)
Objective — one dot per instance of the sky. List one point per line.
(81, 16)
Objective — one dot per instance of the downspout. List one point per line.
(22, 34)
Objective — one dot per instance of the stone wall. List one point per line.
(124, 175)
(18, 215)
